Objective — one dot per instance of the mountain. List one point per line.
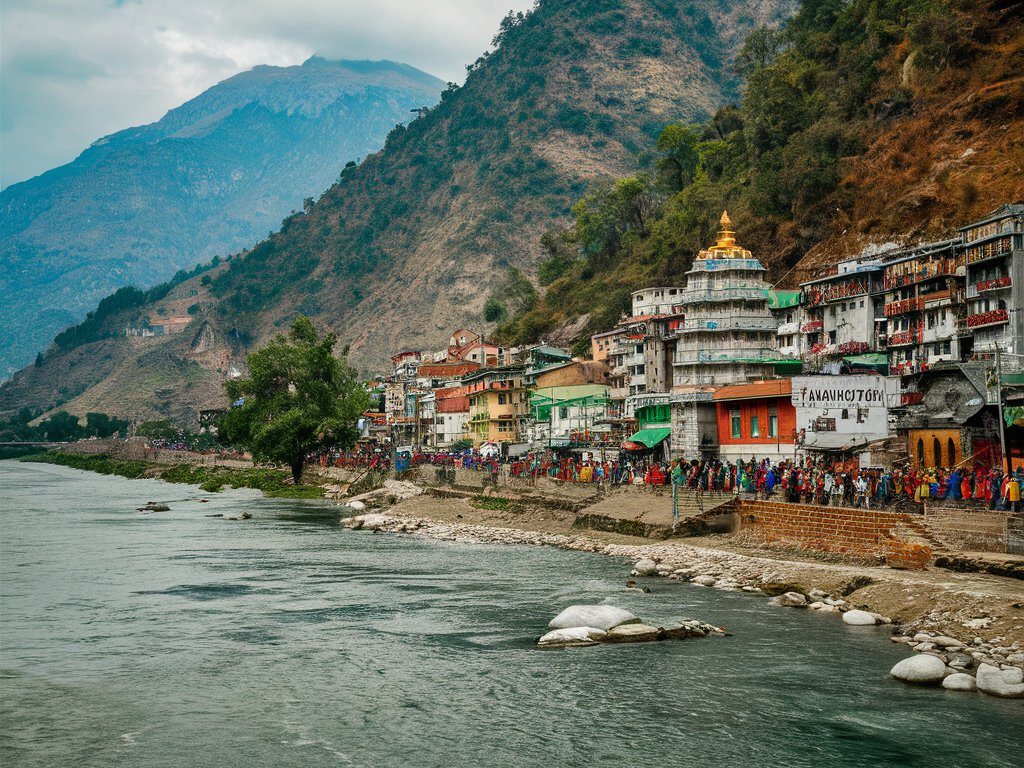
(861, 124)
(211, 177)
(411, 242)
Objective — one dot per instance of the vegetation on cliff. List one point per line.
(827, 151)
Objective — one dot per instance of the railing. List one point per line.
(1000, 247)
(994, 285)
(749, 323)
(929, 298)
(916, 272)
(903, 306)
(845, 289)
(902, 338)
(992, 317)
(812, 326)
(787, 329)
(725, 294)
(734, 356)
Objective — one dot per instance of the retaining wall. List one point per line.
(842, 530)
(967, 528)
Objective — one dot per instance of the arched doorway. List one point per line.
(951, 452)
(937, 450)
(920, 451)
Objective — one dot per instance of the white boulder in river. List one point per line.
(923, 668)
(1008, 683)
(645, 567)
(573, 637)
(859, 618)
(600, 616)
(959, 681)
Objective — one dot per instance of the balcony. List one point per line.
(904, 338)
(725, 323)
(725, 294)
(788, 329)
(985, 319)
(812, 326)
(937, 299)
(985, 286)
(748, 355)
(904, 306)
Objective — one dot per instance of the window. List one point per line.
(501, 398)
(563, 413)
(845, 414)
(862, 303)
(937, 448)
(755, 427)
(734, 419)
(920, 451)
(773, 422)
(947, 347)
(951, 450)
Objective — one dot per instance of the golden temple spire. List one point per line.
(726, 247)
(726, 235)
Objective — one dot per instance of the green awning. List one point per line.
(651, 436)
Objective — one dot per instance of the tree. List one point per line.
(299, 398)
(61, 427)
(494, 311)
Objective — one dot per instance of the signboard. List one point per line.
(824, 392)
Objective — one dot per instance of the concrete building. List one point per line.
(727, 336)
(498, 405)
(843, 414)
(842, 312)
(756, 420)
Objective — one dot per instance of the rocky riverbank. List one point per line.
(982, 615)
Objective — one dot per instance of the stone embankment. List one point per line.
(915, 607)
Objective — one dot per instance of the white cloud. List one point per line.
(72, 71)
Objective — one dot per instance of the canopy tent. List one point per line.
(647, 438)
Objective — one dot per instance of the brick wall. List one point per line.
(968, 528)
(854, 532)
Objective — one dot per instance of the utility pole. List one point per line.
(999, 412)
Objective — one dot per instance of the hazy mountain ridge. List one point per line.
(211, 177)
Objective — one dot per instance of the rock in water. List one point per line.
(572, 637)
(793, 599)
(1007, 683)
(633, 633)
(959, 681)
(601, 616)
(645, 567)
(859, 618)
(358, 506)
(704, 580)
(924, 669)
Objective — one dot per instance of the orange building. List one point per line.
(756, 419)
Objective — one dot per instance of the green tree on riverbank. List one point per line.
(298, 399)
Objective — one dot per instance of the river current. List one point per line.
(180, 639)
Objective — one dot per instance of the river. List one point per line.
(180, 639)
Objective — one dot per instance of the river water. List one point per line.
(180, 639)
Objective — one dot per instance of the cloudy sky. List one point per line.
(72, 71)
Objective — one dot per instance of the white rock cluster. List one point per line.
(946, 661)
(582, 625)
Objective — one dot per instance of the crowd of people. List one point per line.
(808, 481)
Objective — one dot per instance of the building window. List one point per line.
(845, 414)
(920, 451)
(755, 426)
(563, 413)
(773, 422)
(734, 419)
(937, 448)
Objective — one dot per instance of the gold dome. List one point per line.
(726, 247)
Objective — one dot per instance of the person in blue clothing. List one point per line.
(953, 491)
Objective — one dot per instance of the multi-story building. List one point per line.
(841, 312)
(924, 295)
(726, 336)
(993, 251)
(499, 405)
